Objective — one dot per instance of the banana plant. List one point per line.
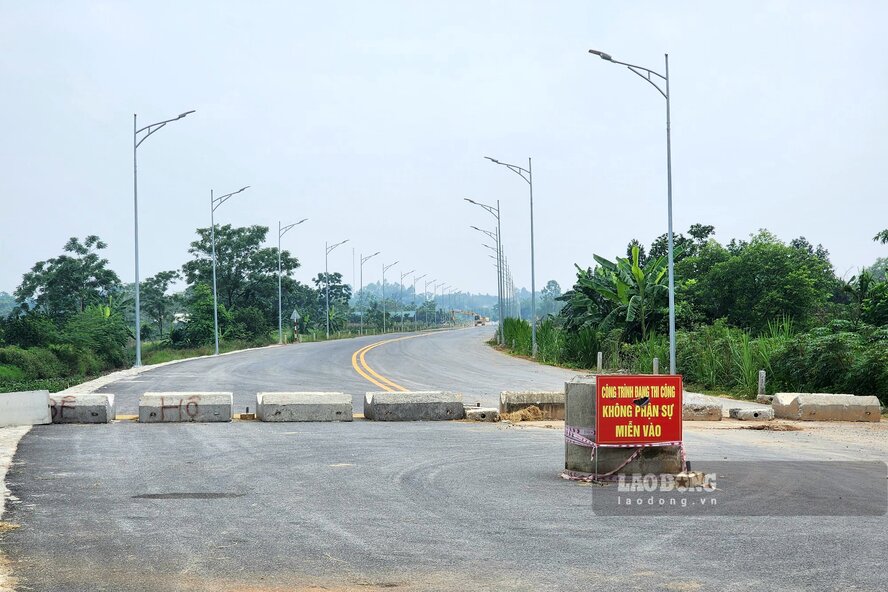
(635, 290)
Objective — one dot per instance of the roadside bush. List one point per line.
(581, 347)
(248, 323)
(30, 330)
(77, 362)
(34, 363)
(550, 342)
(97, 330)
(516, 333)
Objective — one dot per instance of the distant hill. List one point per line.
(7, 304)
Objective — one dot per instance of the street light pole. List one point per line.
(328, 249)
(401, 295)
(527, 175)
(148, 129)
(215, 202)
(281, 233)
(648, 75)
(499, 263)
(361, 298)
(425, 293)
(415, 319)
(384, 269)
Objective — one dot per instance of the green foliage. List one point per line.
(33, 363)
(764, 280)
(68, 284)
(199, 330)
(156, 302)
(835, 359)
(248, 323)
(29, 330)
(634, 289)
(101, 332)
(874, 308)
(517, 335)
(246, 272)
(7, 304)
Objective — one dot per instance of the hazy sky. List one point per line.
(371, 119)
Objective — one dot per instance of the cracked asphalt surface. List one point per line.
(395, 506)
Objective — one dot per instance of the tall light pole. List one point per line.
(415, 278)
(499, 261)
(146, 131)
(648, 75)
(401, 295)
(281, 232)
(361, 297)
(527, 175)
(328, 249)
(215, 202)
(499, 276)
(425, 293)
(384, 269)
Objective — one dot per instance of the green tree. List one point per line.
(156, 302)
(246, 272)
(882, 237)
(68, 284)
(338, 290)
(765, 279)
(198, 329)
(7, 304)
(549, 296)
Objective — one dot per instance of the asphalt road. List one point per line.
(458, 361)
(399, 506)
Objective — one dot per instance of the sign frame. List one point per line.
(641, 396)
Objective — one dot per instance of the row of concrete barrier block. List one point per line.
(38, 407)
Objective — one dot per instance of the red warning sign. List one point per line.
(638, 409)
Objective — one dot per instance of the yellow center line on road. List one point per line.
(359, 363)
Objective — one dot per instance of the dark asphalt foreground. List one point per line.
(453, 360)
(395, 506)
(367, 506)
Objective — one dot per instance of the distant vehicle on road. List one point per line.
(481, 321)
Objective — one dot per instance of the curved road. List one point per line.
(418, 506)
(458, 360)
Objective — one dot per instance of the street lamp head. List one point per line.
(187, 113)
(301, 221)
(241, 189)
(602, 55)
(493, 160)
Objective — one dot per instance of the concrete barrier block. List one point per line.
(751, 414)
(24, 408)
(482, 414)
(826, 407)
(185, 407)
(551, 403)
(308, 406)
(82, 408)
(701, 412)
(413, 406)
